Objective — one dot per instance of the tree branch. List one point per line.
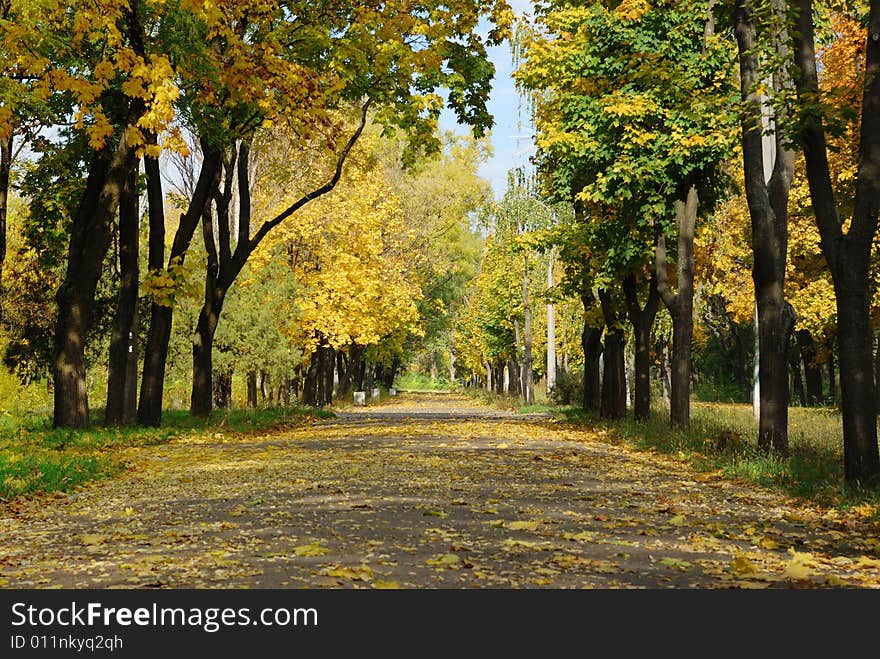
(267, 226)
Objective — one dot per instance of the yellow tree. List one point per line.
(352, 257)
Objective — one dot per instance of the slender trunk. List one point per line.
(202, 351)
(526, 373)
(642, 321)
(680, 304)
(129, 408)
(812, 373)
(797, 381)
(121, 352)
(591, 343)
(252, 389)
(161, 315)
(663, 351)
(222, 389)
(832, 374)
(5, 168)
(613, 400)
(551, 327)
(768, 176)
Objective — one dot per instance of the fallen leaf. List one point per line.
(90, 539)
(311, 549)
(379, 584)
(742, 565)
(446, 560)
(800, 566)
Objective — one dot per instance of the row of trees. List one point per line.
(642, 112)
(264, 102)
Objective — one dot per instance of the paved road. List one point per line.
(427, 491)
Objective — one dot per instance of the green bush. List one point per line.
(568, 390)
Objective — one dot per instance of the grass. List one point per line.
(421, 382)
(722, 438)
(36, 458)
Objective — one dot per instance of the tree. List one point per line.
(633, 119)
(846, 248)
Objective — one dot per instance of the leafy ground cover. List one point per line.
(428, 491)
(35, 458)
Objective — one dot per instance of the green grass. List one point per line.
(421, 382)
(723, 438)
(36, 458)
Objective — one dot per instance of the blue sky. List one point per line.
(511, 143)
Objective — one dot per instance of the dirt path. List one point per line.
(429, 491)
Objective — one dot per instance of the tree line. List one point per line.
(98, 95)
(728, 127)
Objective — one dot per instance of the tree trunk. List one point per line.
(663, 350)
(551, 327)
(252, 389)
(526, 373)
(680, 304)
(812, 373)
(767, 190)
(855, 342)
(90, 236)
(202, 351)
(161, 316)
(222, 389)
(642, 321)
(797, 382)
(832, 374)
(5, 168)
(848, 254)
(613, 401)
(310, 385)
(122, 353)
(129, 408)
(591, 343)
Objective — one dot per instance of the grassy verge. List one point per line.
(723, 439)
(36, 458)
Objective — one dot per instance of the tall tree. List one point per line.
(767, 186)
(847, 250)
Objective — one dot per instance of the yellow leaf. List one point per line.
(312, 549)
(90, 539)
(768, 543)
(522, 526)
(864, 561)
(742, 565)
(360, 573)
(446, 560)
(379, 584)
(678, 520)
(800, 566)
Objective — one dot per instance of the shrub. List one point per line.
(568, 390)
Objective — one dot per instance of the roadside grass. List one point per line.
(722, 438)
(36, 458)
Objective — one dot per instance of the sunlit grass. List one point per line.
(723, 437)
(34, 457)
